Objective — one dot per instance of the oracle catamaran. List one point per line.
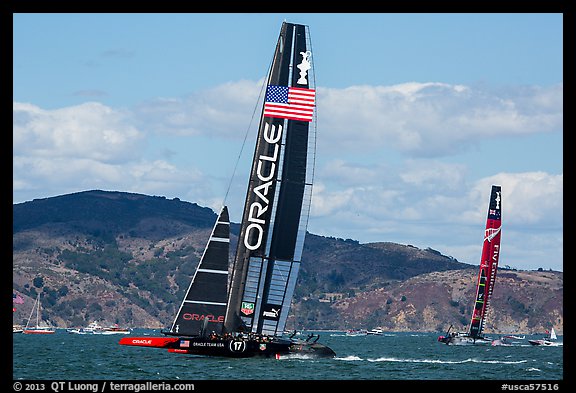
(248, 318)
(486, 277)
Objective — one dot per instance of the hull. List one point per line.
(115, 331)
(38, 331)
(356, 332)
(233, 347)
(544, 343)
(464, 340)
(501, 343)
(77, 331)
(507, 341)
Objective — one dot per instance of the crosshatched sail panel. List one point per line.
(204, 306)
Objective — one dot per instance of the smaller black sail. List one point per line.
(204, 306)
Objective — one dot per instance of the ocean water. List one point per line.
(390, 357)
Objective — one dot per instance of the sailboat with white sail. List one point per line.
(37, 329)
(486, 277)
(551, 340)
(248, 317)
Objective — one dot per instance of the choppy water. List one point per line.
(393, 356)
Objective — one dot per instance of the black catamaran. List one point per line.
(249, 317)
(486, 277)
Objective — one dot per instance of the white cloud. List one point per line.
(531, 198)
(417, 119)
(224, 111)
(89, 146)
(433, 119)
(88, 131)
(450, 219)
(381, 173)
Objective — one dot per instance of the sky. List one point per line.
(417, 116)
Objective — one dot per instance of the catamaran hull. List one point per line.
(463, 340)
(236, 348)
(544, 343)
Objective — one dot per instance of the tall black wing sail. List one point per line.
(204, 306)
(279, 193)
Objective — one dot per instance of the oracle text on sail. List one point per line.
(256, 212)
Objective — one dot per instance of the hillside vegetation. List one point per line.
(128, 258)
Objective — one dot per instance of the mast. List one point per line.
(35, 307)
(488, 263)
(279, 192)
(38, 312)
(204, 305)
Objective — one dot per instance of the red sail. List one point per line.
(489, 262)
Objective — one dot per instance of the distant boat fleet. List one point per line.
(30, 328)
(551, 339)
(364, 332)
(96, 328)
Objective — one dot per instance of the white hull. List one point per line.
(464, 339)
(115, 332)
(507, 341)
(545, 343)
(104, 332)
(468, 341)
(76, 331)
(501, 342)
(356, 332)
(549, 341)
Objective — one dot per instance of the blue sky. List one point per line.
(418, 115)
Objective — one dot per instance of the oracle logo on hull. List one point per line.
(201, 317)
(140, 341)
(272, 135)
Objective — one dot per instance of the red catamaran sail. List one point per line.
(486, 276)
(488, 264)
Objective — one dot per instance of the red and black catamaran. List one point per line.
(486, 277)
(248, 318)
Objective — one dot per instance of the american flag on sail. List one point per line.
(294, 103)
